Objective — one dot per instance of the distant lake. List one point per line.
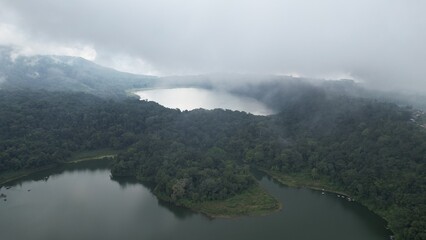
(82, 201)
(193, 98)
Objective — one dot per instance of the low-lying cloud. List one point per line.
(379, 42)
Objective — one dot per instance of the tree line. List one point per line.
(369, 149)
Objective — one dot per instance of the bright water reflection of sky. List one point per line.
(193, 98)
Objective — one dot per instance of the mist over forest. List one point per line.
(377, 43)
(342, 85)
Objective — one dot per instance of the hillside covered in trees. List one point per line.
(368, 149)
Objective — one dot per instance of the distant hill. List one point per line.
(373, 151)
(279, 90)
(64, 73)
(325, 133)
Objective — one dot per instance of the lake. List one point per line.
(193, 98)
(82, 201)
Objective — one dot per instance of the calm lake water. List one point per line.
(193, 98)
(81, 201)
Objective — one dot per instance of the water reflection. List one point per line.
(82, 201)
(44, 175)
(125, 182)
(179, 212)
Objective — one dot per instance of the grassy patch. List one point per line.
(305, 180)
(252, 202)
(91, 155)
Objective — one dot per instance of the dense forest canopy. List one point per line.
(371, 150)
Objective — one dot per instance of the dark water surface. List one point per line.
(81, 201)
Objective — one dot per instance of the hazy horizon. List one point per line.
(379, 43)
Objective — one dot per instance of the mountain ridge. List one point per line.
(65, 73)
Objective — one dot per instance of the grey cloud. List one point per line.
(380, 42)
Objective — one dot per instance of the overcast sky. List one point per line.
(381, 42)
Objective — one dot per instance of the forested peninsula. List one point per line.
(371, 150)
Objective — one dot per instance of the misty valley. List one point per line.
(87, 152)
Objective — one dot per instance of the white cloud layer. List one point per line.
(11, 36)
(380, 41)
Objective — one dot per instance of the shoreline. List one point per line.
(291, 182)
(300, 184)
(22, 173)
(12, 176)
(219, 209)
(253, 202)
(260, 214)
